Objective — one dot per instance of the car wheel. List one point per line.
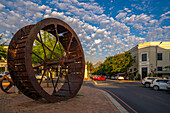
(156, 88)
(147, 85)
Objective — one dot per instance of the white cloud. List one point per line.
(93, 49)
(87, 37)
(97, 41)
(152, 22)
(37, 15)
(87, 18)
(166, 13)
(48, 11)
(126, 9)
(15, 14)
(46, 16)
(57, 14)
(1, 6)
(43, 7)
(166, 27)
(105, 21)
(121, 15)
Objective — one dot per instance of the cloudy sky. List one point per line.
(104, 27)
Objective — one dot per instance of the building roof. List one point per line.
(165, 45)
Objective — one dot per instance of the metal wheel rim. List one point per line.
(155, 88)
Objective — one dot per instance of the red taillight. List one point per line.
(143, 79)
(168, 83)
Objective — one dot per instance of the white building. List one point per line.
(152, 59)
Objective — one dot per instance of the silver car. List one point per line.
(158, 84)
(147, 81)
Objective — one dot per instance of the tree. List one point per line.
(122, 62)
(115, 64)
(49, 40)
(90, 66)
(3, 53)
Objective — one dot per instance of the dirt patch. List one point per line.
(88, 100)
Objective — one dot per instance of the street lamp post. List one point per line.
(157, 57)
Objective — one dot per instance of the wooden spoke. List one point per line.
(48, 48)
(73, 59)
(42, 45)
(52, 78)
(68, 48)
(42, 76)
(68, 82)
(57, 80)
(58, 40)
(38, 56)
(54, 48)
(47, 67)
(36, 67)
(54, 63)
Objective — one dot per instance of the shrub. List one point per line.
(131, 76)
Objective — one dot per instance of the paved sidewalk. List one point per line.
(88, 100)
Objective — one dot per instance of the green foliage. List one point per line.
(90, 66)
(49, 40)
(138, 76)
(115, 64)
(3, 53)
(122, 62)
(149, 75)
(132, 76)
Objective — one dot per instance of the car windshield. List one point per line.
(151, 78)
(162, 81)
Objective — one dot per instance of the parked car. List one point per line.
(119, 77)
(147, 81)
(95, 77)
(158, 84)
(168, 86)
(101, 78)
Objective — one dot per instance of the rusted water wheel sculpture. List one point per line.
(46, 60)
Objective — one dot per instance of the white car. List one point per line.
(158, 84)
(120, 78)
(147, 81)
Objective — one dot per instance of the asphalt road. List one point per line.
(134, 97)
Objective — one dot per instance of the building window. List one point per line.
(159, 56)
(159, 68)
(130, 70)
(144, 57)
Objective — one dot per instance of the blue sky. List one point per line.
(104, 27)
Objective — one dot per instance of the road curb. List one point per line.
(119, 107)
